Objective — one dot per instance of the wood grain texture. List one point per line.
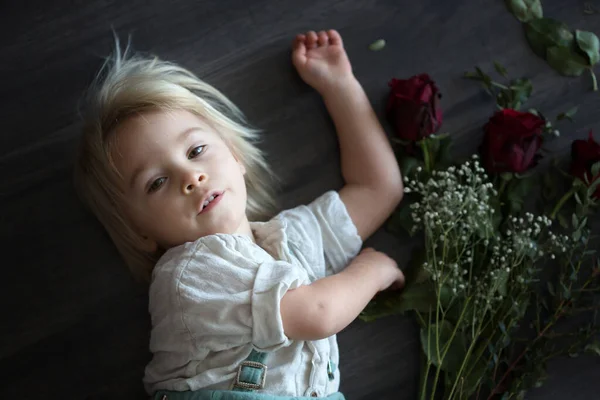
(75, 324)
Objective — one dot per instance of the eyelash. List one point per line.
(154, 186)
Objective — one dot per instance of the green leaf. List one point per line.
(593, 348)
(500, 69)
(566, 61)
(551, 288)
(589, 44)
(544, 33)
(407, 164)
(595, 169)
(478, 75)
(574, 221)
(502, 282)
(377, 45)
(419, 297)
(592, 188)
(521, 91)
(451, 350)
(568, 114)
(563, 221)
(525, 10)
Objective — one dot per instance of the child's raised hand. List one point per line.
(321, 59)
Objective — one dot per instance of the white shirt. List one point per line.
(213, 300)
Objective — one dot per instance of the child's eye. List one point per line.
(196, 151)
(156, 185)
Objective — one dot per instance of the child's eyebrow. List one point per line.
(182, 137)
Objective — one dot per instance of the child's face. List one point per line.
(172, 164)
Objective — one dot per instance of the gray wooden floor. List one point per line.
(75, 325)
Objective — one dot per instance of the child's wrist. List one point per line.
(341, 85)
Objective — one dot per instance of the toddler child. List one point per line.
(240, 309)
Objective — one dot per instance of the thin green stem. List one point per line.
(448, 348)
(562, 202)
(594, 80)
(426, 155)
(502, 187)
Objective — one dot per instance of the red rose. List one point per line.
(584, 154)
(413, 107)
(511, 141)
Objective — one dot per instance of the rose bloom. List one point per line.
(413, 107)
(511, 141)
(584, 154)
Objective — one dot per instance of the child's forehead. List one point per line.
(169, 122)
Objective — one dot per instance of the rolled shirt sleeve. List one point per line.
(323, 229)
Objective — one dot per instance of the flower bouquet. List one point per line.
(497, 287)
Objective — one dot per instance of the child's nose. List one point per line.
(192, 180)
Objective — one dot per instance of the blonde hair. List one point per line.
(130, 84)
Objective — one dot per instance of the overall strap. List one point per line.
(251, 373)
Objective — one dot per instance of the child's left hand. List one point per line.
(321, 60)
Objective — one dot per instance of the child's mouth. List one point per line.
(211, 202)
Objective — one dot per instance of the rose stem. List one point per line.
(561, 203)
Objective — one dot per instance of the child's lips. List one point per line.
(216, 200)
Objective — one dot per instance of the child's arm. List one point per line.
(328, 305)
(373, 180)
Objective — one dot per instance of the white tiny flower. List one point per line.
(419, 169)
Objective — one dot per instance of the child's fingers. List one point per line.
(299, 41)
(311, 39)
(299, 38)
(323, 39)
(334, 37)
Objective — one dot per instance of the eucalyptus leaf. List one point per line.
(593, 186)
(377, 45)
(566, 61)
(525, 10)
(544, 33)
(568, 114)
(588, 43)
(500, 69)
(451, 350)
